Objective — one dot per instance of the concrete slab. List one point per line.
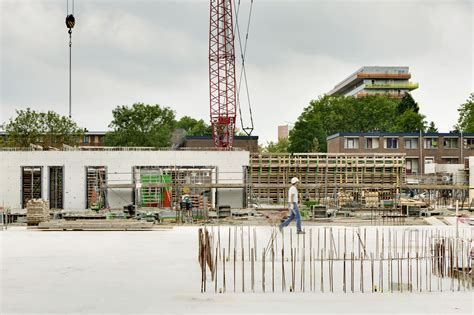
(157, 272)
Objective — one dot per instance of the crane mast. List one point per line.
(222, 81)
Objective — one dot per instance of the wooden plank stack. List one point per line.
(37, 211)
(96, 225)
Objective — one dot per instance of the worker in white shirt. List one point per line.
(293, 207)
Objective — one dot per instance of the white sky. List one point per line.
(156, 52)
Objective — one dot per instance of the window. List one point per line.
(450, 160)
(412, 166)
(429, 160)
(371, 143)
(391, 143)
(469, 143)
(411, 143)
(86, 139)
(431, 143)
(451, 143)
(351, 143)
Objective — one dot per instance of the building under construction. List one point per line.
(113, 178)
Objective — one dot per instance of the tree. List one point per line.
(432, 128)
(466, 115)
(141, 125)
(47, 129)
(407, 102)
(409, 121)
(333, 114)
(281, 146)
(194, 127)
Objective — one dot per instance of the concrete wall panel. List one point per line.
(119, 167)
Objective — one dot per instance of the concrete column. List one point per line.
(44, 182)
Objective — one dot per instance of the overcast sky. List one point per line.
(156, 51)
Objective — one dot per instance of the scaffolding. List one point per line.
(56, 187)
(332, 179)
(96, 179)
(31, 183)
(163, 186)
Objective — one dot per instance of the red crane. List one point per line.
(222, 82)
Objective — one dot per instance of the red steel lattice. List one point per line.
(222, 82)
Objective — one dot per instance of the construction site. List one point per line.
(369, 228)
(126, 183)
(130, 229)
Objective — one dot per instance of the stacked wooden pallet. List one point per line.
(37, 211)
(345, 198)
(371, 199)
(324, 175)
(198, 201)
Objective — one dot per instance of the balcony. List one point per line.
(384, 75)
(393, 86)
(392, 95)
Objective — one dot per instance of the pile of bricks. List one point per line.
(37, 211)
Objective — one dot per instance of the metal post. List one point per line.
(457, 219)
(70, 69)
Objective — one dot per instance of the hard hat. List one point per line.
(294, 180)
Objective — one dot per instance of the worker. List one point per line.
(185, 202)
(293, 207)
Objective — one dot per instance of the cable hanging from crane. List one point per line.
(243, 73)
(70, 23)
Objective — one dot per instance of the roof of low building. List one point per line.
(398, 134)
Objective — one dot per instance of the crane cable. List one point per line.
(70, 23)
(67, 7)
(243, 73)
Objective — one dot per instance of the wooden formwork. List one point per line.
(323, 176)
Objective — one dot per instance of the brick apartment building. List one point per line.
(96, 139)
(248, 143)
(90, 138)
(93, 138)
(420, 148)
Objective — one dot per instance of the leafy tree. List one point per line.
(194, 127)
(466, 115)
(409, 121)
(47, 129)
(406, 103)
(432, 128)
(141, 125)
(307, 128)
(281, 146)
(332, 114)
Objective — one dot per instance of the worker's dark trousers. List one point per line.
(295, 213)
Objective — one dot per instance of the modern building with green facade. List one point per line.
(391, 81)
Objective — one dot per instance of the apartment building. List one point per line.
(419, 148)
(93, 138)
(390, 81)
